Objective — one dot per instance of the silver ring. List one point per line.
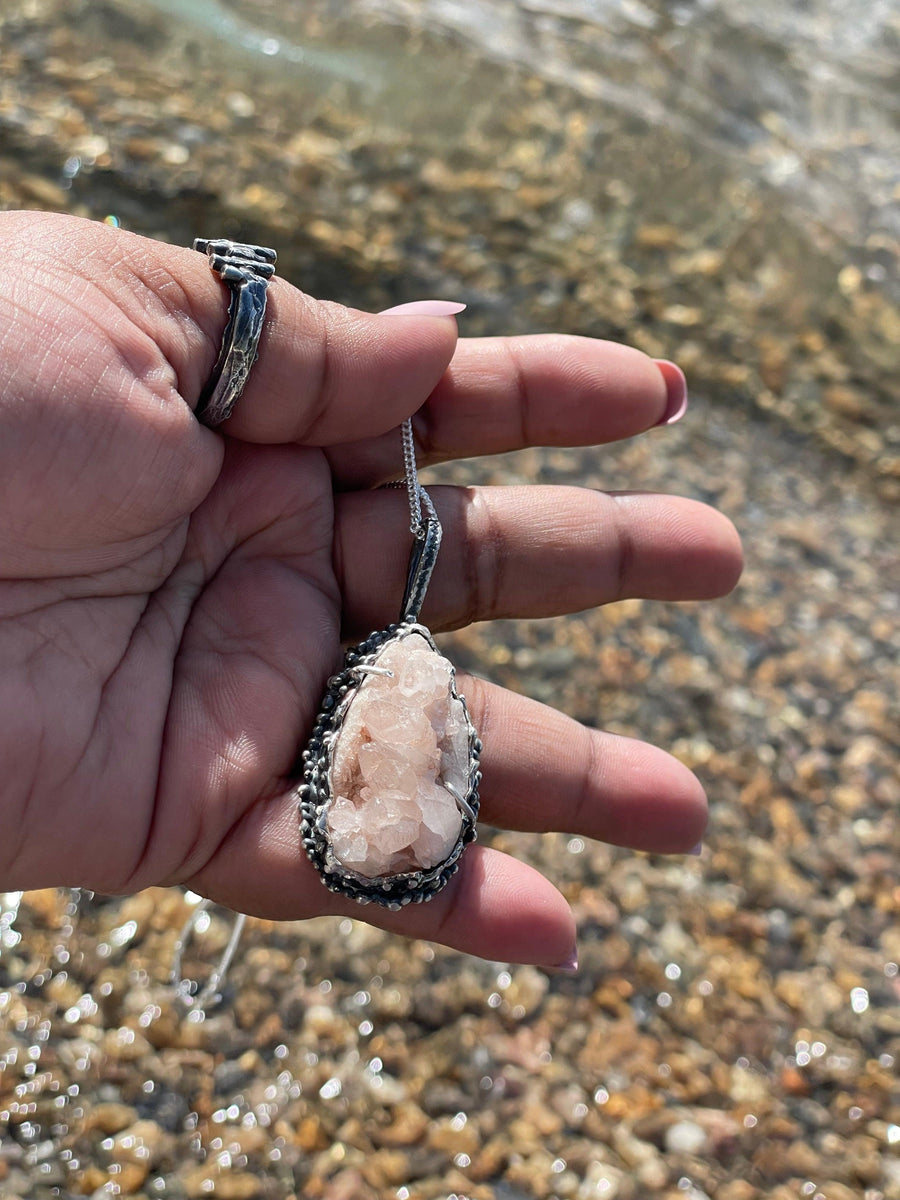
(247, 271)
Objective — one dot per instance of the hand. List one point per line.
(173, 599)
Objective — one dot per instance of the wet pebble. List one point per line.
(685, 1137)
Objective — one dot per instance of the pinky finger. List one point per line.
(495, 907)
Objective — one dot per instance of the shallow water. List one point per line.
(805, 96)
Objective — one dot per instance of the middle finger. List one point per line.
(501, 394)
(529, 552)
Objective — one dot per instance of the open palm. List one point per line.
(172, 600)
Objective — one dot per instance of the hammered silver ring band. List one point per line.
(246, 270)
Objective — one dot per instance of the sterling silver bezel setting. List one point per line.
(314, 793)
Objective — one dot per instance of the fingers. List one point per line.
(530, 552)
(324, 373)
(502, 394)
(494, 907)
(543, 771)
(328, 375)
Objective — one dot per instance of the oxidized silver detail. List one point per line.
(246, 270)
(314, 793)
(422, 558)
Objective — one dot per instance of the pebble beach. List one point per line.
(733, 1032)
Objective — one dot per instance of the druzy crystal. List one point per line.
(403, 739)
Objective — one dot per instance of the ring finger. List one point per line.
(530, 552)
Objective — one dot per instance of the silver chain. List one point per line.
(419, 499)
(415, 491)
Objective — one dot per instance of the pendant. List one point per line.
(389, 798)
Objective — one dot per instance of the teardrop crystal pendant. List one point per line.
(389, 798)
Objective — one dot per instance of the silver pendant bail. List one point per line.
(422, 558)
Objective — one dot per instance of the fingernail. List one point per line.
(676, 392)
(569, 966)
(697, 850)
(424, 308)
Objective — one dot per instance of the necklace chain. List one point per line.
(415, 491)
(422, 513)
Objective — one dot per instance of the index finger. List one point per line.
(501, 394)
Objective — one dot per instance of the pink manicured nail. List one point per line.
(424, 308)
(569, 966)
(676, 391)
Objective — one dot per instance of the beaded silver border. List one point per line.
(314, 793)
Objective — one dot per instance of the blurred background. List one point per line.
(713, 182)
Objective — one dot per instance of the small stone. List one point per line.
(48, 905)
(748, 1087)
(44, 191)
(685, 1137)
(349, 1185)
(406, 1129)
(652, 1175)
(91, 1180)
(794, 1082)
(737, 1189)
(525, 994)
(657, 237)
(452, 1139)
(205, 1180)
(125, 1044)
(632, 1150)
(140, 1143)
(683, 314)
(404, 739)
(311, 1135)
(129, 1177)
(490, 1161)
(240, 104)
(838, 1191)
(770, 1161)
(601, 1182)
(237, 1186)
(111, 1117)
(386, 1168)
(802, 1159)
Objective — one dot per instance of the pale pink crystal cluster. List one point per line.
(403, 738)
